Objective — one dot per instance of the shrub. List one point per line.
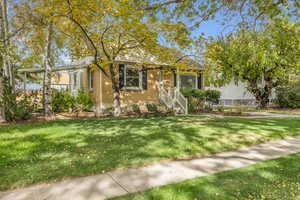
(17, 106)
(62, 101)
(288, 96)
(84, 101)
(197, 98)
(25, 107)
(220, 108)
(208, 108)
(136, 108)
(212, 96)
(193, 93)
(152, 107)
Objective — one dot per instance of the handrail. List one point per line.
(181, 100)
(173, 98)
(165, 97)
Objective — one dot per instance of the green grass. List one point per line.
(34, 153)
(269, 110)
(277, 179)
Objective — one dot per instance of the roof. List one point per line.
(134, 56)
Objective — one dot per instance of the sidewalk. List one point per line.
(121, 182)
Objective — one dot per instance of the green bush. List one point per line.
(136, 108)
(208, 108)
(152, 107)
(212, 96)
(197, 98)
(62, 101)
(288, 96)
(208, 95)
(193, 93)
(25, 106)
(17, 106)
(219, 108)
(84, 101)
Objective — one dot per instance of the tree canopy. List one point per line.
(264, 59)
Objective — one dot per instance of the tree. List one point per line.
(40, 43)
(6, 71)
(263, 59)
(108, 29)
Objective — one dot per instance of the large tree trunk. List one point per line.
(7, 67)
(48, 72)
(6, 72)
(2, 109)
(263, 93)
(263, 99)
(116, 89)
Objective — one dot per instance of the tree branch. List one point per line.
(102, 43)
(158, 5)
(96, 56)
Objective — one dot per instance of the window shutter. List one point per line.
(199, 80)
(144, 80)
(175, 79)
(121, 75)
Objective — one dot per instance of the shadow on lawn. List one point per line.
(275, 179)
(55, 150)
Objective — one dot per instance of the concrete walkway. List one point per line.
(121, 182)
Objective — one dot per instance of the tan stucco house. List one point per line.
(140, 82)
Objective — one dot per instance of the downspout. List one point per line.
(101, 91)
(99, 100)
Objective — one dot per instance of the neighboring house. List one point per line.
(236, 95)
(141, 81)
(61, 81)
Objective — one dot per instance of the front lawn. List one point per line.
(33, 153)
(277, 179)
(268, 110)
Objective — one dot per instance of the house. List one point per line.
(60, 81)
(233, 94)
(142, 80)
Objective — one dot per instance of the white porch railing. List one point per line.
(181, 100)
(165, 97)
(173, 99)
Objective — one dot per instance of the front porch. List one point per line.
(170, 94)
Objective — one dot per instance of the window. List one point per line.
(91, 79)
(188, 81)
(132, 78)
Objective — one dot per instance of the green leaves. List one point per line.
(261, 58)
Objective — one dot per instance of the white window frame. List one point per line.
(75, 80)
(91, 84)
(140, 78)
(196, 79)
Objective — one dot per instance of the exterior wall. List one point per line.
(168, 78)
(102, 91)
(232, 91)
(61, 78)
(133, 96)
(232, 95)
